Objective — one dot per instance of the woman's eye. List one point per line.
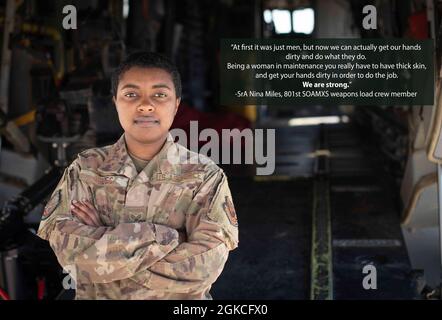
(130, 95)
(160, 95)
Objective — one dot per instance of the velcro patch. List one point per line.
(171, 177)
(94, 179)
(229, 209)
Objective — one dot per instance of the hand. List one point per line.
(86, 213)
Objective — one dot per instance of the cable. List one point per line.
(4, 295)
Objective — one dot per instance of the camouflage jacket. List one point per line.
(138, 253)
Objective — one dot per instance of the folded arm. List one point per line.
(100, 254)
(212, 232)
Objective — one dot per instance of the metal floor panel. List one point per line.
(365, 217)
(272, 260)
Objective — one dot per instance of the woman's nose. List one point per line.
(145, 108)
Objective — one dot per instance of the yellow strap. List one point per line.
(25, 118)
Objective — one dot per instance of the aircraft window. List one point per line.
(314, 121)
(125, 9)
(281, 19)
(268, 16)
(303, 20)
(297, 21)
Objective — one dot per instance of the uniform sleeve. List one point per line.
(100, 254)
(212, 230)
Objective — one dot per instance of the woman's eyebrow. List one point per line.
(161, 85)
(130, 85)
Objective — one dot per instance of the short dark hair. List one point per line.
(145, 59)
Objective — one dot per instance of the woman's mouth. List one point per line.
(146, 122)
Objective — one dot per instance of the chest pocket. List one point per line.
(107, 194)
(135, 204)
(169, 204)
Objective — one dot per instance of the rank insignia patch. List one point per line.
(230, 211)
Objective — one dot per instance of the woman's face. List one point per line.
(146, 103)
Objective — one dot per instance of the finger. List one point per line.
(79, 205)
(77, 210)
(78, 216)
(94, 210)
(83, 216)
(89, 211)
(90, 215)
(93, 214)
(96, 220)
(90, 206)
(83, 207)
